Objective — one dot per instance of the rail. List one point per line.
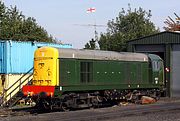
(10, 92)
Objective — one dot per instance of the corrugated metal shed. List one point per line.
(17, 57)
(163, 44)
(159, 38)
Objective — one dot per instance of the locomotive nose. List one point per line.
(29, 90)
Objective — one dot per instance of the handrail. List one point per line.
(19, 79)
(19, 85)
(15, 88)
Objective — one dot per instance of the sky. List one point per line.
(65, 19)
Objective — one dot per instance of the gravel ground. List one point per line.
(164, 110)
(160, 116)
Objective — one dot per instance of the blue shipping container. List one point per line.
(17, 57)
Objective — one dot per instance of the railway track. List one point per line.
(93, 114)
(9, 113)
(113, 113)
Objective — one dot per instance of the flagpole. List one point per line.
(95, 29)
(92, 10)
(95, 32)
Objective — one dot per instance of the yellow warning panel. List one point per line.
(46, 67)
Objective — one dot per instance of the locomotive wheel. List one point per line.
(46, 105)
(64, 107)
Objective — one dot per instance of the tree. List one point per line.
(127, 26)
(15, 26)
(2, 16)
(91, 45)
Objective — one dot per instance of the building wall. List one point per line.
(149, 48)
(175, 70)
(3, 56)
(19, 57)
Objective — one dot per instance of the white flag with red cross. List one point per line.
(91, 10)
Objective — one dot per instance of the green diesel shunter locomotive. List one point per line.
(72, 78)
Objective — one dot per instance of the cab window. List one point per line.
(156, 65)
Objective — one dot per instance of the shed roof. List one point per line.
(159, 38)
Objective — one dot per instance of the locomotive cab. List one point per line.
(157, 70)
